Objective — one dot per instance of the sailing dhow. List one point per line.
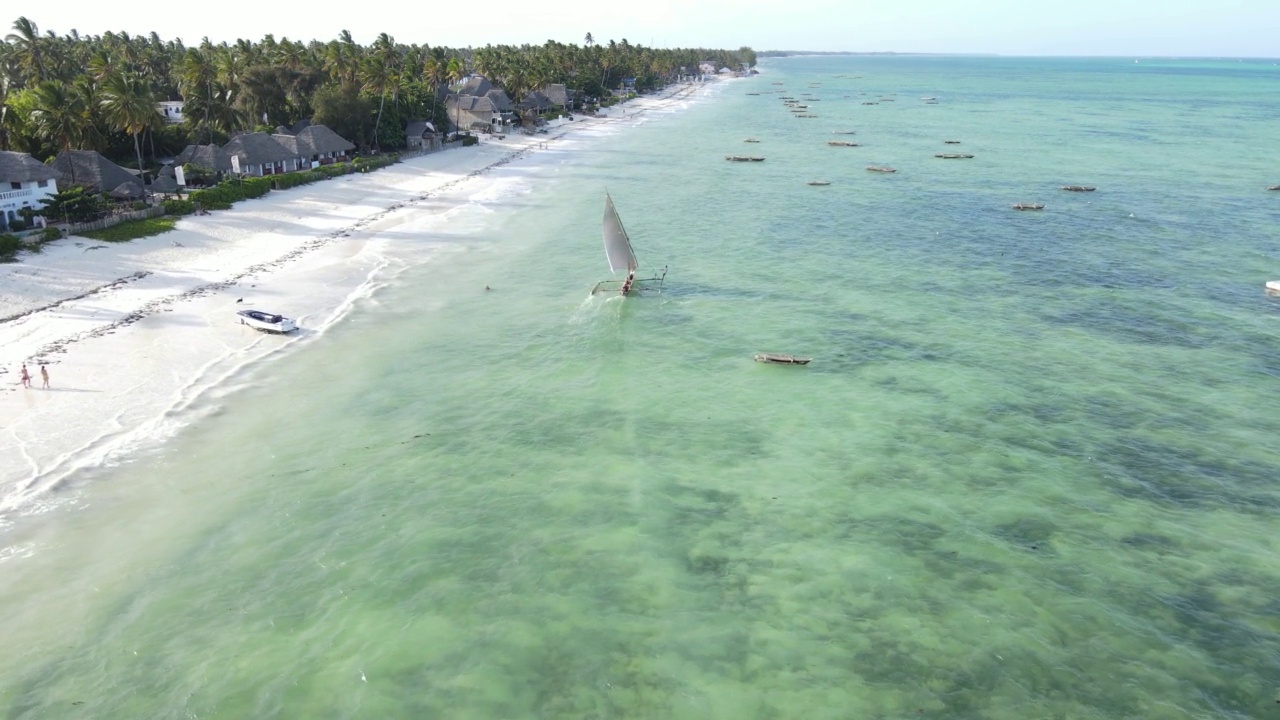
(617, 250)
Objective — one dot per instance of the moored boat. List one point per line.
(1028, 206)
(1273, 287)
(781, 359)
(881, 169)
(950, 142)
(819, 182)
(1079, 188)
(842, 143)
(953, 156)
(1274, 187)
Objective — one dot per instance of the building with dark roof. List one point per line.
(262, 154)
(24, 183)
(91, 169)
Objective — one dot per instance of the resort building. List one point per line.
(261, 154)
(24, 183)
(170, 110)
(422, 135)
(90, 169)
(477, 104)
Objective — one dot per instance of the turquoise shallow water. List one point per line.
(1031, 471)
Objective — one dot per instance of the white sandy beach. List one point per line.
(134, 332)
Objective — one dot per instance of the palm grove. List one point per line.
(61, 92)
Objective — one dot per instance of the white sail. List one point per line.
(617, 247)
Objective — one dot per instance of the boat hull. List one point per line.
(780, 359)
(267, 322)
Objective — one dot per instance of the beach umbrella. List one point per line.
(126, 191)
(164, 184)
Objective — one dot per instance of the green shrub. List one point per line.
(469, 140)
(295, 179)
(133, 229)
(178, 207)
(364, 164)
(335, 169)
(50, 234)
(17, 225)
(9, 246)
(140, 205)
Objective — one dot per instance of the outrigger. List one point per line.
(617, 250)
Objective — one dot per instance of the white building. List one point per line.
(24, 183)
(170, 110)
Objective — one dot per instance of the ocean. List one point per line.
(1031, 471)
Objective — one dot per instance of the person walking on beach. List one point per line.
(26, 376)
(44, 375)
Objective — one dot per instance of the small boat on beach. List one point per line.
(953, 156)
(1079, 188)
(780, 359)
(881, 169)
(819, 183)
(1028, 206)
(267, 322)
(842, 143)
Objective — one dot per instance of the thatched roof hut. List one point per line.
(21, 167)
(91, 169)
(206, 156)
(320, 140)
(258, 149)
(127, 191)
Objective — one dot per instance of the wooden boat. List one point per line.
(780, 359)
(842, 143)
(1028, 206)
(620, 256)
(953, 156)
(1079, 188)
(819, 182)
(950, 142)
(880, 169)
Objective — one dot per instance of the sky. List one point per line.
(1182, 28)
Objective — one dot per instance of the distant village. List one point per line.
(76, 110)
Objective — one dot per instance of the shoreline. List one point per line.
(134, 333)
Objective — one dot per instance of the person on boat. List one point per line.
(626, 285)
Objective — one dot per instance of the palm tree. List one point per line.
(57, 115)
(129, 104)
(454, 72)
(27, 42)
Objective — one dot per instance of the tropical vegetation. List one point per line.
(72, 91)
